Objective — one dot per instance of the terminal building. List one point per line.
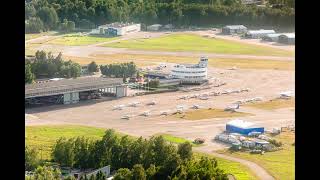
(69, 91)
(191, 73)
(116, 29)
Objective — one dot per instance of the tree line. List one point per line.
(43, 15)
(123, 70)
(136, 158)
(45, 65)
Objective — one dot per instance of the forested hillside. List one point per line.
(43, 15)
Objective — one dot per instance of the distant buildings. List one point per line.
(116, 29)
(154, 27)
(257, 34)
(271, 37)
(283, 38)
(234, 29)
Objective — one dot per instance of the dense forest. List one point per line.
(44, 15)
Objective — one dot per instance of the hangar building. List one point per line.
(242, 127)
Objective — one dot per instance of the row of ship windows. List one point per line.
(188, 71)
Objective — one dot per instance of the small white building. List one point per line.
(234, 29)
(271, 37)
(117, 29)
(287, 38)
(191, 73)
(257, 34)
(154, 27)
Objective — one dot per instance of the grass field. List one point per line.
(274, 104)
(217, 62)
(191, 42)
(78, 40)
(239, 171)
(279, 164)
(43, 137)
(36, 35)
(177, 140)
(209, 113)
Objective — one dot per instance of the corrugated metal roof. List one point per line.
(261, 31)
(236, 27)
(240, 123)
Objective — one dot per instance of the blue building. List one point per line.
(242, 127)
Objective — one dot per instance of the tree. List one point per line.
(138, 172)
(49, 17)
(63, 152)
(34, 25)
(93, 67)
(100, 176)
(151, 171)
(46, 173)
(32, 160)
(70, 178)
(123, 174)
(185, 150)
(153, 83)
(30, 11)
(28, 75)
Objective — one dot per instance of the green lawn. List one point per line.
(190, 42)
(231, 167)
(44, 137)
(177, 140)
(79, 40)
(279, 164)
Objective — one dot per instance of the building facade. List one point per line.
(234, 29)
(117, 29)
(257, 34)
(191, 73)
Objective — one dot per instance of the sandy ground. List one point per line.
(267, 85)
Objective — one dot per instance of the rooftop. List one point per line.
(260, 31)
(236, 27)
(69, 85)
(116, 25)
(240, 123)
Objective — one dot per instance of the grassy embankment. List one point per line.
(274, 104)
(196, 43)
(209, 113)
(44, 137)
(80, 40)
(280, 164)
